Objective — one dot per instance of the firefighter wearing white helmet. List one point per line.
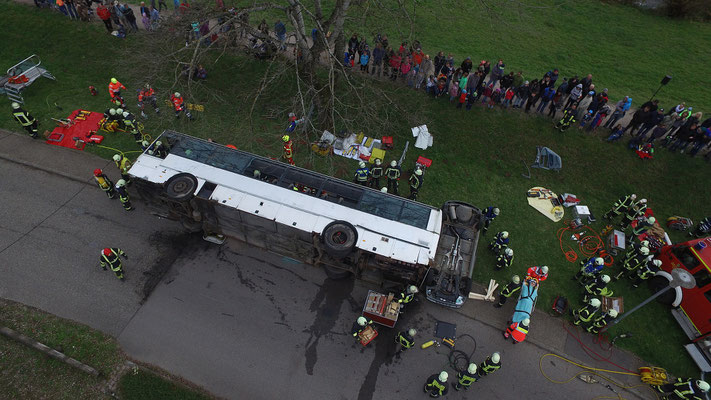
(415, 182)
(646, 271)
(491, 364)
(621, 206)
(643, 226)
(384, 189)
(602, 321)
(179, 105)
(393, 173)
(466, 378)
(631, 265)
(406, 339)
(499, 242)
(518, 330)
(407, 295)
(123, 195)
(376, 172)
(123, 164)
(25, 119)
(539, 273)
(490, 213)
(684, 389)
(436, 385)
(509, 290)
(504, 259)
(589, 268)
(637, 210)
(585, 314)
(597, 287)
(362, 174)
(159, 150)
(359, 325)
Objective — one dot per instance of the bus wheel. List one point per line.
(336, 273)
(181, 186)
(190, 225)
(339, 238)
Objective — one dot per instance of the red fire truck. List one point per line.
(692, 307)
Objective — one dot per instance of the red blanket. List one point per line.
(80, 128)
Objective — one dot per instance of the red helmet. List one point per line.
(97, 172)
(107, 251)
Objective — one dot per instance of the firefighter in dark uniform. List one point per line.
(110, 258)
(489, 214)
(358, 327)
(466, 378)
(406, 339)
(491, 364)
(500, 241)
(361, 175)
(508, 290)
(123, 195)
(702, 228)
(104, 183)
(132, 126)
(25, 119)
(635, 211)
(684, 389)
(123, 164)
(648, 270)
(602, 321)
(436, 385)
(589, 268)
(505, 259)
(393, 173)
(597, 287)
(630, 266)
(621, 206)
(415, 184)
(376, 173)
(585, 314)
(569, 116)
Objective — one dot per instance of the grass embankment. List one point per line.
(477, 154)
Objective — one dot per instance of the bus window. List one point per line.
(228, 159)
(686, 257)
(269, 172)
(195, 150)
(415, 215)
(703, 278)
(383, 206)
(302, 182)
(343, 194)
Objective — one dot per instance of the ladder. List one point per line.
(30, 69)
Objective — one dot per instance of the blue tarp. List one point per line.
(526, 301)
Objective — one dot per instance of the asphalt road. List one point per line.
(238, 321)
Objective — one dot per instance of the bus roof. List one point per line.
(320, 199)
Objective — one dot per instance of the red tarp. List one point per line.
(64, 136)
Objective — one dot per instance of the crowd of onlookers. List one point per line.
(582, 104)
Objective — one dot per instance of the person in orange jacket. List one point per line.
(115, 91)
(179, 106)
(288, 149)
(147, 94)
(518, 331)
(540, 273)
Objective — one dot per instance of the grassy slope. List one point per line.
(477, 155)
(146, 385)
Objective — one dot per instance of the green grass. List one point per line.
(477, 154)
(146, 385)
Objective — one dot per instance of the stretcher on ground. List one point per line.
(526, 300)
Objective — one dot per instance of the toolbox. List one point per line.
(381, 308)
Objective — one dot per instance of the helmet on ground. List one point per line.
(651, 220)
(633, 196)
(117, 157)
(595, 303)
(412, 332)
(145, 143)
(362, 321)
(361, 164)
(378, 161)
(496, 211)
(418, 172)
(544, 269)
(119, 111)
(159, 143)
(611, 312)
(112, 111)
(606, 278)
(125, 114)
(384, 189)
(496, 357)
(471, 368)
(526, 322)
(644, 243)
(599, 261)
(657, 263)
(703, 385)
(643, 201)
(97, 172)
(147, 86)
(412, 289)
(515, 279)
(114, 80)
(285, 138)
(15, 105)
(176, 94)
(393, 163)
(508, 252)
(106, 251)
(644, 251)
(443, 376)
(505, 234)
(121, 183)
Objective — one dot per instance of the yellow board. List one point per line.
(543, 203)
(377, 153)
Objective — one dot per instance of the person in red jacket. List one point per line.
(288, 149)
(518, 331)
(103, 12)
(540, 273)
(179, 106)
(147, 94)
(115, 92)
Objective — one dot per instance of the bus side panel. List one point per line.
(293, 243)
(258, 222)
(231, 222)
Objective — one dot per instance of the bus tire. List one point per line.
(190, 225)
(181, 187)
(339, 238)
(335, 274)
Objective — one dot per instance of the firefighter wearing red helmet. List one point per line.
(110, 258)
(104, 183)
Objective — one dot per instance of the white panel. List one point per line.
(296, 219)
(405, 252)
(425, 256)
(261, 207)
(375, 243)
(227, 196)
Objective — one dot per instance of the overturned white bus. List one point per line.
(346, 228)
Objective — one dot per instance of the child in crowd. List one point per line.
(431, 85)
(364, 58)
(487, 94)
(616, 134)
(453, 89)
(508, 96)
(462, 98)
(471, 99)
